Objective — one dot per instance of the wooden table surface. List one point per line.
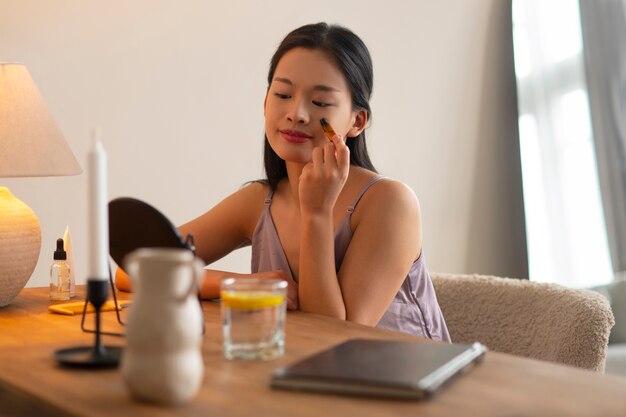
(503, 385)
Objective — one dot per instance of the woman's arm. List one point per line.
(385, 243)
(210, 283)
(210, 287)
(219, 231)
(320, 183)
(227, 226)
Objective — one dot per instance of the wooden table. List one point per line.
(503, 385)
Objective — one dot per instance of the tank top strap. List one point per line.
(367, 185)
(268, 197)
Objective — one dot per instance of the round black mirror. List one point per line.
(134, 224)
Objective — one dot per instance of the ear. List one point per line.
(265, 102)
(358, 125)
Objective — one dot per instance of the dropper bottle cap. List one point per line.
(60, 253)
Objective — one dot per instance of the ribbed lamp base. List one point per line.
(20, 244)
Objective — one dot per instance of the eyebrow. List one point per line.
(319, 87)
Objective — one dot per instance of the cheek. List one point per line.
(272, 113)
(270, 119)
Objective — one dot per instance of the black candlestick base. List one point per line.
(98, 355)
(89, 357)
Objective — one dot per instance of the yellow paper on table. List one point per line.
(250, 300)
(69, 309)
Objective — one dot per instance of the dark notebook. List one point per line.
(380, 368)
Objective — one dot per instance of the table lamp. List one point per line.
(31, 145)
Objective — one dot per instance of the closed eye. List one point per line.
(282, 96)
(320, 104)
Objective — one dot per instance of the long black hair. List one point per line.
(353, 58)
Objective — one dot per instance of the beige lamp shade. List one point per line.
(31, 145)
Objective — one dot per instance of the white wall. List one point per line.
(178, 87)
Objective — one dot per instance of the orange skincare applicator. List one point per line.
(327, 129)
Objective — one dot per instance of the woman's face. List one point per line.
(307, 86)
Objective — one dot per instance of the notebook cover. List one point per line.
(364, 367)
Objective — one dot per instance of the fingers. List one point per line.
(317, 158)
(336, 157)
(292, 302)
(331, 155)
(280, 274)
(292, 286)
(292, 289)
(292, 295)
(342, 153)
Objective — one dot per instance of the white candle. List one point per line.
(98, 212)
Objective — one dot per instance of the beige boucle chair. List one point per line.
(540, 321)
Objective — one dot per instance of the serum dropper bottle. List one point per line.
(60, 275)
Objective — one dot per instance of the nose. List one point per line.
(297, 112)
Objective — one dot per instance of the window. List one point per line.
(566, 233)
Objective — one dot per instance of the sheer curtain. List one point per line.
(566, 233)
(604, 35)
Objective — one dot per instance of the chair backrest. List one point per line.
(520, 317)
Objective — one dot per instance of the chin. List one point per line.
(298, 154)
(297, 157)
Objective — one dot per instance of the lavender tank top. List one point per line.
(414, 309)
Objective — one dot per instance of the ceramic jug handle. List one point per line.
(197, 268)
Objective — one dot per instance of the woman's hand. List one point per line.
(122, 280)
(323, 178)
(292, 286)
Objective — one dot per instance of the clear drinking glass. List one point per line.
(253, 317)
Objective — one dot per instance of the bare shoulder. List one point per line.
(248, 198)
(252, 192)
(388, 199)
(389, 212)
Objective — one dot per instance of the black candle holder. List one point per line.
(118, 308)
(98, 355)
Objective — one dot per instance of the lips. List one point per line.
(295, 136)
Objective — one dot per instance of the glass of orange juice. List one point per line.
(253, 317)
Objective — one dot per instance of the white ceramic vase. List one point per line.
(163, 358)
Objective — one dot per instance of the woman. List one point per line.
(347, 240)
